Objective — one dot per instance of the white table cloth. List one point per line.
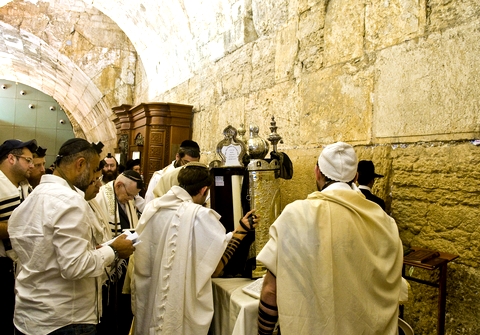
(234, 311)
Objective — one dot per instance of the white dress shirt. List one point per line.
(60, 267)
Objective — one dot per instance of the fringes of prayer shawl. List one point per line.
(113, 274)
(172, 244)
(116, 272)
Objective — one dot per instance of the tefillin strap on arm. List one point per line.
(267, 318)
(235, 241)
(230, 250)
(250, 223)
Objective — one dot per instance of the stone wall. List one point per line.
(399, 80)
(396, 78)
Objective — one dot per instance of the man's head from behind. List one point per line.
(110, 170)
(366, 173)
(195, 178)
(77, 161)
(338, 162)
(133, 164)
(16, 159)
(189, 151)
(127, 185)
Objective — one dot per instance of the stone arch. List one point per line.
(77, 55)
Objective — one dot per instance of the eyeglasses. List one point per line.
(128, 194)
(28, 159)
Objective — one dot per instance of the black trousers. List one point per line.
(7, 295)
(117, 310)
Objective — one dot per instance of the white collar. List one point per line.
(340, 186)
(364, 187)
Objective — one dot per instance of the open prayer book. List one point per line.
(254, 288)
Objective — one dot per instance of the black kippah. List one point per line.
(74, 146)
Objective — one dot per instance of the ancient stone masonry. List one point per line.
(398, 79)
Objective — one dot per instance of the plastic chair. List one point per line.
(404, 327)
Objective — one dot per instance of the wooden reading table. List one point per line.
(439, 261)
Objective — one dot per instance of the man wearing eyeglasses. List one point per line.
(60, 260)
(16, 163)
(117, 197)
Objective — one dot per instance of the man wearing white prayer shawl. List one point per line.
(336, 255)
(183, 245)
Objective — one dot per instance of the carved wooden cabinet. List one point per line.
(153, 131)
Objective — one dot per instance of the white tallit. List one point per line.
(338, 258)
(106, 199)
(169, 178)
(181, 245)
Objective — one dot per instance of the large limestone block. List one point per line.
(443, 14)
(280, 101)
(303, 181)
(344, 31)
(392, 22)
(202, 90)
(268, 15)
(304, 5)
(425, 80)
(435, 197)
(210, 123)
(311, 38)
(264, 60)
(285, 52)
(336, 104)
(234, 73)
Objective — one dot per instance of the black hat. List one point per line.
(367, 170)
(189, 144)
(74, 146)
(10, 145)
(131, 163)
(41, 152)
(135, 176)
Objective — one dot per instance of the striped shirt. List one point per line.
(9, 200)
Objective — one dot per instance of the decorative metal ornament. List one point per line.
(231, 150)
(257, 146)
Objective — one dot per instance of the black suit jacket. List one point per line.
(372, 197)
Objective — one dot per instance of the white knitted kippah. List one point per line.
(338, 162)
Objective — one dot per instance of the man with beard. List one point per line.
(110, 170)
(16, 162)
(60, 261)
(337, 255)
(117, 198)
(38, 168)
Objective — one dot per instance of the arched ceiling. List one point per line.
(174, 38)
(97, 54)
(27, 59)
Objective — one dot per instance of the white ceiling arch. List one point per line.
(174, 39)
(27, 59)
